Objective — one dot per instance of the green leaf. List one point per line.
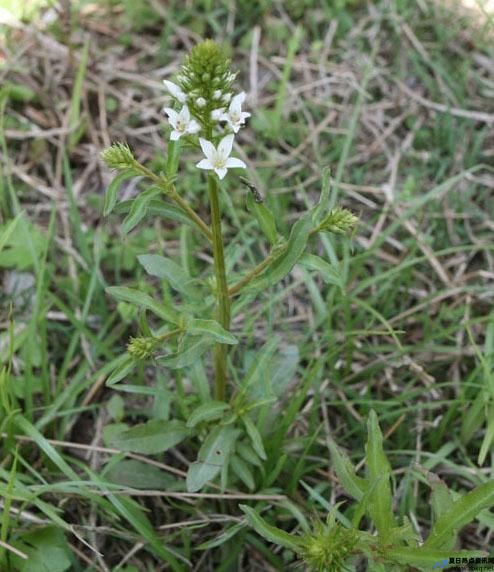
(138, 298)
(8, 230)
(247, 452)
(139, 208)
(322, 207)
(157, 207)
(328, 273)
(138, 475)
(264, 218)
(222, 538)
(152, 437)
(47, 551)
(162, 267)
(243, 472)
(460, 513)
(426, 557)
(488, 439)
(282, 265)
(207, 412)
(212, 329)
(190, 349)
(271, 533)
(257, 381)
(255, 437)
(112, 191)
(124, 367)
(379, 470)
(441, 497)
(353, 485)
(213, 455)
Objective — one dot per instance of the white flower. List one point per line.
(200, 102)
(175, 91)
(217, 94)
(235, 116)
(217, 113)
(218, 158)
(181, 122)
(227, 97)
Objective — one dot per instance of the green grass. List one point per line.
(409, 334)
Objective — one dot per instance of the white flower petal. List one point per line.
(216, 114)
(221, 172)
(225, 146)
(185, 113)
(205, 164)
(207, 148)
(234, 163)
(175, 135)
(193, 127)
(172, 115)
(175, 91)
(235, 127)
(238, 100)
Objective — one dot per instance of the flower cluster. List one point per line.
(142, 348)
(207, 106)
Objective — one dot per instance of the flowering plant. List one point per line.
(206, 115)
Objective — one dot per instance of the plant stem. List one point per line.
(235, 289)
(171, 192)
(223, 300)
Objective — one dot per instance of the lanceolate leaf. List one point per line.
(157, 207)
(461, 512)
(322, 207)
(345, 472)
(243, 472)
(207, 412)
(125, 366)
(139, 207)
(212, 329)
(190, 349)
(380, 505)
(255, 436)
(425, 558)
(328, 273)
(264, 217)
(162, 267)
(271, 533)
(295, 247)
(152, 437)
(138, 298)
(112, 191)
(213, 455)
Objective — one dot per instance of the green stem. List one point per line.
(171, 192)
(237, 287)
(223, 300)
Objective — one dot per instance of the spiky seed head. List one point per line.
(141, 348)
(118, 156)
(339, 221)
(328, 546)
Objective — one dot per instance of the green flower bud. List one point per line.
(118, 156)
(339, 221)
(142, 348)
